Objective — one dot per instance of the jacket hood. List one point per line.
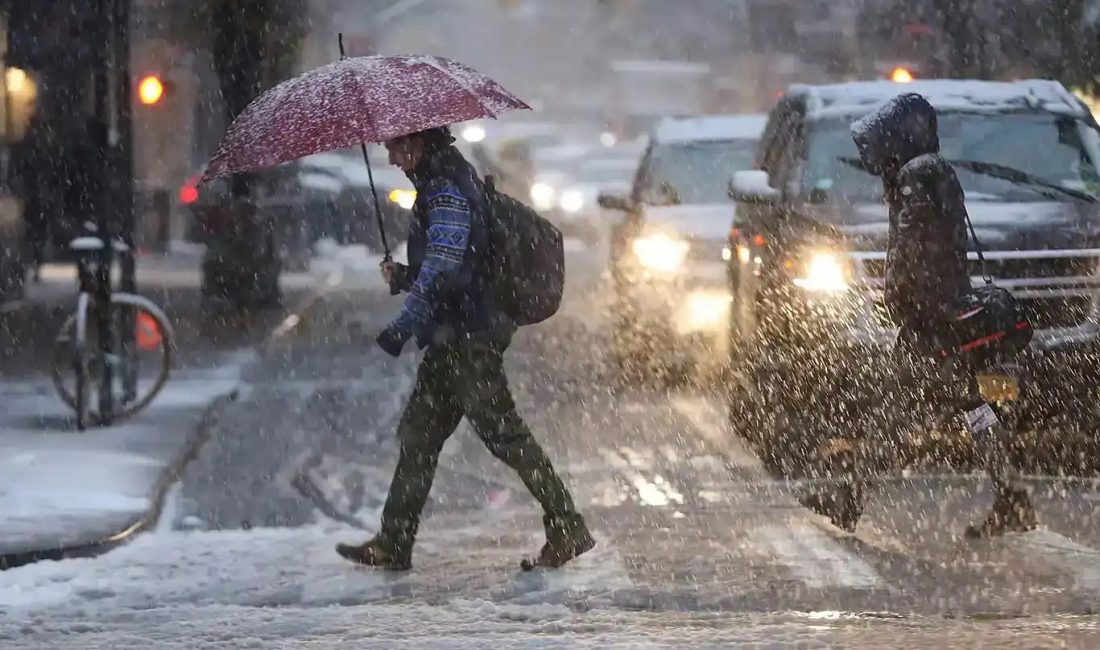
(901, 130)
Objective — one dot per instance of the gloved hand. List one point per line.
(391, 341)
(395, 275)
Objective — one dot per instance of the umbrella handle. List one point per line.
(370, 176)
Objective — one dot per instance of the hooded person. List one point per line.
(926, 274)
(450, 312)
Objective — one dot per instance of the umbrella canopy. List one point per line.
(352, 101)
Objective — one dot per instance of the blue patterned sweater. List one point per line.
(449, 220)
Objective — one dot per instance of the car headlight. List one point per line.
(404, 198)
(542, 196)
(661, 252)
(571, 201)
(822, 271)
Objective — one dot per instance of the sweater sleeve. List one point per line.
(449, 219)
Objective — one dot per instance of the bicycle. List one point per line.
(139, 365)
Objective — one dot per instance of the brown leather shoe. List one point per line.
(566, 538)
(842, 504)
(377, 553)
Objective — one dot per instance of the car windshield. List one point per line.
(1048, 150)
(692, 172)
(606, 174)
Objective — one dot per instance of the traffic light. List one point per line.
(150, 90)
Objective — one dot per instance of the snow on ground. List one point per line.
(174, 271)
(60, 487)
(297, 567)
(478, 624)
(286, 588)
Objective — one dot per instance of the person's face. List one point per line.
(405, 152)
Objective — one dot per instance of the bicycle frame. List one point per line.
(93, 263)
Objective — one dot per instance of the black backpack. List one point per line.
(526, 259)
(989, 322)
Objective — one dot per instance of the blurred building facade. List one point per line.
(54, 50)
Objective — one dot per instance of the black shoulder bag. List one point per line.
(989, 322)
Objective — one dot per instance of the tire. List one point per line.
(72, 344)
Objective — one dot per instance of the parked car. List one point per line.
(808, 248)
(671, 297)
(328, 194)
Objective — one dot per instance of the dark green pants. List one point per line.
(455, 380)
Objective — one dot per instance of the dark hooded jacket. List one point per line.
(926, 269)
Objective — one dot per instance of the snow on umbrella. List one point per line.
(352, 101)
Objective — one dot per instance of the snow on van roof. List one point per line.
(713, 127)
(945, 94)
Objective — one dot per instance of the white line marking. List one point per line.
(812, 556)
(815, 558)
(1083, 562)
(652, 492)
(711, 423)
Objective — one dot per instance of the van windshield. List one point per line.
(692, 172)
(1050, 149)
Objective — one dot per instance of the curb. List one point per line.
(171, 473)
(174, 470)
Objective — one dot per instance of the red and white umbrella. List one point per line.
(354, 101)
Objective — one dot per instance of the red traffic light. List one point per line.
(189, 193)
(150, 90)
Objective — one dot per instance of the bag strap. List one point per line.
(978, 249)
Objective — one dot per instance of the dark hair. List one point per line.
(437, 138)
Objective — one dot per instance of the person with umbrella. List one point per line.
(450, 310)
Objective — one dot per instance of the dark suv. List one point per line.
(809, 239)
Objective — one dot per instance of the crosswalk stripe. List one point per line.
(709, 421)
(653, 491)
(809, 554)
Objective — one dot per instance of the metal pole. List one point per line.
(100, 193)
(124, 101)
(123, 169)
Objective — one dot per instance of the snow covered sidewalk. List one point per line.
(69, 493)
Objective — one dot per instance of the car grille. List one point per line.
(1019, 269)
(1046, 312)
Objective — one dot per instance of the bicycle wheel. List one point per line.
(150, 354)
(71, 363)
(148, 359)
